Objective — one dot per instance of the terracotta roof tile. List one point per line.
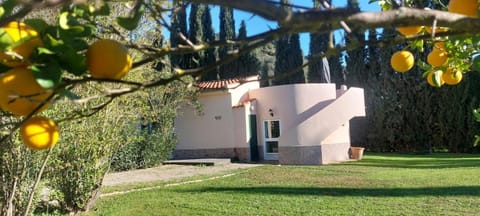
(224, 84)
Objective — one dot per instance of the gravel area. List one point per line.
(169, 172)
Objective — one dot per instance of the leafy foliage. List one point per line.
(18, 168)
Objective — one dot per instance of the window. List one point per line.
(271, 130)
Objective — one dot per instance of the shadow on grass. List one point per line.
(436, 161)
(330, 191)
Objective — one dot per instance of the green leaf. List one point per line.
(424, 66)
(48, 75)
(76, 29)
(63, 20)
(127, 23)
(80, 10)
(476, 41)
(72, 61)
(52, 42)
(43, 50)
(437, 77)
(38, 24)
(70, 95)
(76, 64)
(130, 23)
(5, 40)
(476, 113)
(79, 44)
(8, 6)
(418, 45)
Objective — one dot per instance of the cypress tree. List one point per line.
(355, 59)
(242, 31)
(227, 32)
(296, 59)
(179, 25)
(318, 45)
(248, 63)
(289, 57)
(266, 58)
(201, 31)
(208, 37)
(195, 33)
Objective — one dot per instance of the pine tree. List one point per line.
(179, 26)
(289, 57)
(227, 32)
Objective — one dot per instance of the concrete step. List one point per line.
(199, 162)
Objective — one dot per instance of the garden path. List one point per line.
(170, 172)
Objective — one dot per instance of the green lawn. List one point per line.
(378, 185)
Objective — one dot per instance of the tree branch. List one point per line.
(327, 20)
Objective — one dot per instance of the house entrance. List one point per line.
(271, 131)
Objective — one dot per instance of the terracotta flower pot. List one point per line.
(356, 153)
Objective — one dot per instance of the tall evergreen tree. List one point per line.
(227, 32)
(296, 59)
(195, 35)
(179, 26)
(318, 45)
(355, 59)
(289, 57)
(242, 31)
(208, 37)
(266, 56)
(337, 70)
(248, 63)
(201, 31)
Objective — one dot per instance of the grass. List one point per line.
(381, 184)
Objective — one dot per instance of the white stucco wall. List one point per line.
(213, 129)
(220, 125)
(241, 132)
(340, 136)
(292, 104)
(322, 124)
(240, 94)
(310, 115)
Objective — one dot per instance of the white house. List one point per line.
(294, 124)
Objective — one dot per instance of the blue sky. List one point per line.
(256, 24)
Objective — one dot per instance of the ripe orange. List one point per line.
(24, 39)
(452, 77)
(39, 133)
(465, 7)
(437, 58)
(410, 30)
(20, 93)
(432, 82)
(108, 59)
(402, 61)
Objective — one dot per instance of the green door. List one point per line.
(253, 138)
